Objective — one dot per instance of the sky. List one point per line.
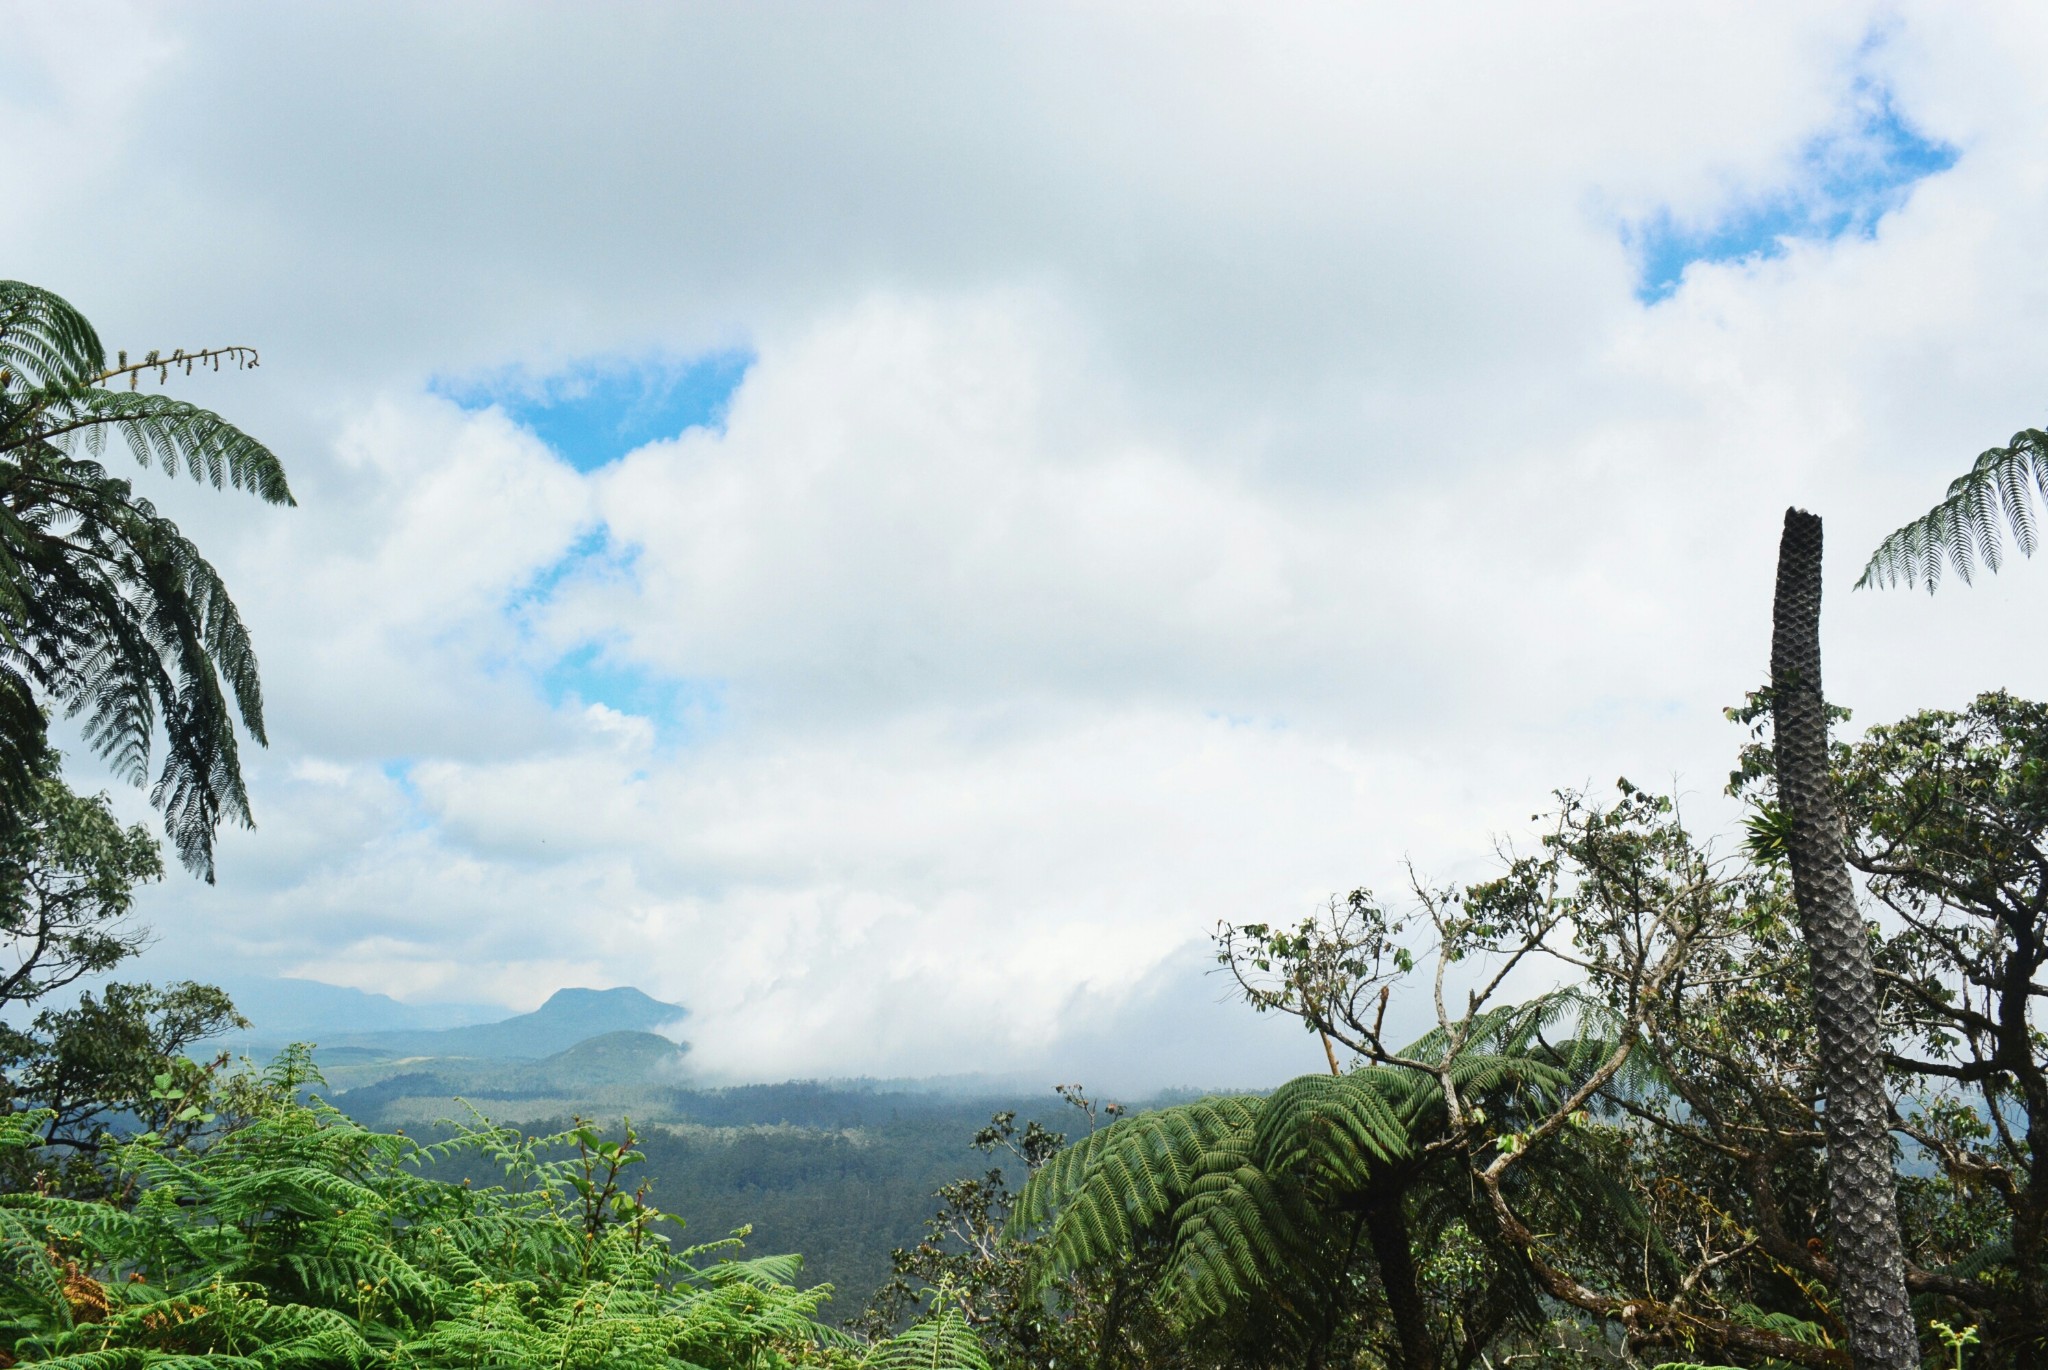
(884, 524)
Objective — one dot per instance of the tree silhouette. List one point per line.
(107, 611)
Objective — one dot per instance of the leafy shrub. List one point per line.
(299, 1238)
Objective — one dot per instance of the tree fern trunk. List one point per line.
(1863, 1220)
(1386, 1227)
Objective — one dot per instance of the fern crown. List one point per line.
(107, 611)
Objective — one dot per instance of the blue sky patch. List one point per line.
(593, 553)
(591, 675)
(1845, 180)
(398, 770)
(596, 411)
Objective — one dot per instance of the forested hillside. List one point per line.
(843, 1176)
(844, 1172)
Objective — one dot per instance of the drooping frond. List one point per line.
(1238, 1189)
(1240, 1231)
(174, 435)
(107, 612)
(1995, 494)
(43, 340)
(1338, 1129)
(1124, 1180)
(23, 737)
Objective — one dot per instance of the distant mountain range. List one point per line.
(568, 1017)
(294, 1010)
(360, 1025)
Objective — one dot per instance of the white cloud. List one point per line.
(1195, 458)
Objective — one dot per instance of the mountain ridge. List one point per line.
(570, 1016)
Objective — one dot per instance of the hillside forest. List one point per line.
(1770, 1097)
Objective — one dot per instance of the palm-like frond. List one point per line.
(942, 1342)
(1995, 494)
(43, 339)
(1340, 1129)
(1122, 1181)
(1255, 1201)
(107, 611)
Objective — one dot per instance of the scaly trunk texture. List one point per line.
(1386, 1227)
(1863, 1215)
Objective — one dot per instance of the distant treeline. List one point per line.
(844, 1175)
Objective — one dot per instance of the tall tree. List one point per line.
(1863, 1216)
(1965, 525)
(107, 611)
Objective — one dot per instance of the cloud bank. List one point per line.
(1145, 466)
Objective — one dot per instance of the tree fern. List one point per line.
(1262, 1203)
(107, 611)
(943, 1341)
(1969, 523)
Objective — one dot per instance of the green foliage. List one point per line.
(1264, 1206)
(68, 872)
(1954, 1340)
(106, 610)
(299, 1238)
(1548, 1146)
(1998, 490)
(117, 1059)
(1948, 812)
(940, 1342)
(970, 1262)
(1798, 1330)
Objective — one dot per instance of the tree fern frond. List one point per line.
(303, 1239)
(43, 339)
(941, 1342)
(171, 434)
(1341, 1128)
(762, 1272)
(107, 611)
(1172, 1139)
(1969, 524)
(1239, 1231)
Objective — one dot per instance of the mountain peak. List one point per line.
(619, 999)
(569, 1016)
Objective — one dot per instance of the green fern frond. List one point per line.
(303, 1239)
(1238, 1232)
(1996, 494)
(941, 1342)
(1256, 1202)
(1171, 1142)
(171, 434)
(1339, 1129)
(107, 612)
(43, 340)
